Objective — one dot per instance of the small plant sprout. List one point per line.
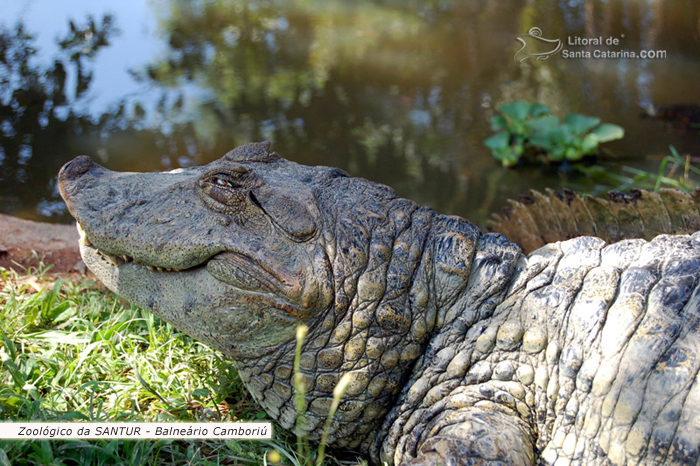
(338, 393)
(300, 393)
(303, 450)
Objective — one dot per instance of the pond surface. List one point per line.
(395, 93)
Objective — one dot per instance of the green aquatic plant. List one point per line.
(526, 128)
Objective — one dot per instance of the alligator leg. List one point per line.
(488, 435)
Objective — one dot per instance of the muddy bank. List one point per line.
(54, 244)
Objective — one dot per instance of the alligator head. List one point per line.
(237, 253)
(230, 252)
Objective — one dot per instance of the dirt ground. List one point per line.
(54, 244)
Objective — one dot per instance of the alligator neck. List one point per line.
(473, 274)
(474, 271)
(384, 312)
(400, 277)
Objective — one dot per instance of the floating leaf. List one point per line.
(557, 154)
(507, 158)
(498, 123)
(543, 125)
(573, 153)
(562, 136)
(518, 148)
(589, 145)
(537, 110)
(581, 124)
(517, 128)
(542, 141)
(498, 141)
(515, 110)
(608, 132)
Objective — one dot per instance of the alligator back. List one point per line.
(542, 218)
(591, 359)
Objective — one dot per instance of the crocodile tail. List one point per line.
(541, 218)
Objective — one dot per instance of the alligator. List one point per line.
(460, 349)
(541, 218)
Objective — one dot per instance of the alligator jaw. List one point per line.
(265, 279)
(118, 260)
(194, 301)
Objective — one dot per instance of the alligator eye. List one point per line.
(223, 180)
(225, 189)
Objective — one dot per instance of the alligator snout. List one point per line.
(75, 168)
(77, 175)
(80, 177)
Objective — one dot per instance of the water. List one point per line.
(401, 94)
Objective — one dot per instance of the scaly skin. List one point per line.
(591, 358)
(461, 349)
(542, 218)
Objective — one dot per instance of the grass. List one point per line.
(73, 351)
(675, 171)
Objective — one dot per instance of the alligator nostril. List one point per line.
(76, 167)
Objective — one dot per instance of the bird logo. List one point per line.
(536, 39)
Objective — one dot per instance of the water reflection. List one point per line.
(397, 93)
(39, 113)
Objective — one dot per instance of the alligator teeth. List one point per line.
(83, 240)
(121, 259)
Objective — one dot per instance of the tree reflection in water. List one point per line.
(44, 123)
(399, 93)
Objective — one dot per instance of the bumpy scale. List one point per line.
(461, 349)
